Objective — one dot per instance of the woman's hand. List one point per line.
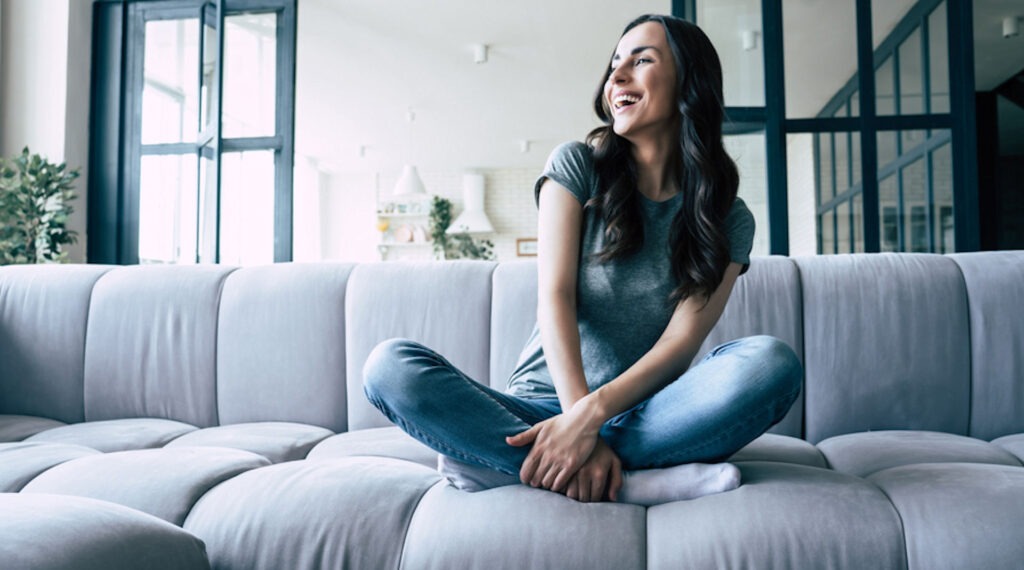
(561, 444)
(602, 471)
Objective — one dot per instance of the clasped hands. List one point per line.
(569, 457)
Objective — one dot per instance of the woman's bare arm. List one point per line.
(558, 244)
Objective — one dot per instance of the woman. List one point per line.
(640, 240)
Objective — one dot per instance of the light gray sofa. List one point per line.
(180, 417)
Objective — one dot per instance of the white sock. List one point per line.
(471, 477)
(678, 483)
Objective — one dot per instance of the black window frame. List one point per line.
(115, 148)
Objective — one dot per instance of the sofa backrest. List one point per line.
(888, 341)
(43, 312)
(886, 344)
(151, 343)
(995, 302)
(281, 345)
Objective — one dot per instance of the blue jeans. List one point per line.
(725, 401)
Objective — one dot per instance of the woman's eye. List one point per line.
(640, 60)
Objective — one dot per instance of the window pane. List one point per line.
(732, 25)
(885, 94)
(815, 76)
(748, 151)
(843, 228)
(167, 209)
(208, 91)
(938, 57)
(247, 208)
(250, 73)
(915, 227)
(828, 232)
(912, 139)
(911, 78)
(826, 187)
(858, 223)
(942, 191)
(887, 150)
(801, 198)
(842, 162)
(888, 199)
(169, 89)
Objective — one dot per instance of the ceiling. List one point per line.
(362, 65)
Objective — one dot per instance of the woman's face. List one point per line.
(640, 90)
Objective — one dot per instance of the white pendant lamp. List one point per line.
(409, 183)
(473, 219)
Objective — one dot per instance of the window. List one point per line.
(203, 130)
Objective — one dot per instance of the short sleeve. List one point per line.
(571, 164)
(739, 224)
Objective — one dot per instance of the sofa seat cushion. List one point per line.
(379, 442)
(781, 516)
(17, 428)
(864, 453)
(346, 513)
(517, 526)
(781, 448)
(162, 482)
(1013, 443)
(55, 531)
(117, 435)
(22, 461)
(958, 515)
(277, 441)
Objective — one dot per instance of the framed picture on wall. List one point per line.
(526, 247)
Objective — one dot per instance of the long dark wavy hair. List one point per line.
(706, 175)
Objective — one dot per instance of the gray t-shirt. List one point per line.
(622, 306)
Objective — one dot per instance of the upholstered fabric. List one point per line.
(1013, 443)
(376, 442)
(886, 344)
(765, 300)
(446, 306)
(995, 288)
(782, 516)
(281, 345)
(525, 528)
(781, 448)
(57, 532)
(164, 483)
(116, 435)
(23, 461)
(862, 454)
(513, 315)
(17, 428)
(151, 343)
(958, 515)
(277, 441)
(346, 513)
(43, 310)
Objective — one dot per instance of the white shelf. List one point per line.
(407, 244)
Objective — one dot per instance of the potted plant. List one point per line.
(454, 246)
(34, 209)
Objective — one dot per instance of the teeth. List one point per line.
(625, 99)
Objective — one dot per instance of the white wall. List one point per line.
(44, 88)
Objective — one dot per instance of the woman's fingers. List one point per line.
(523, 438)
(616, 481)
